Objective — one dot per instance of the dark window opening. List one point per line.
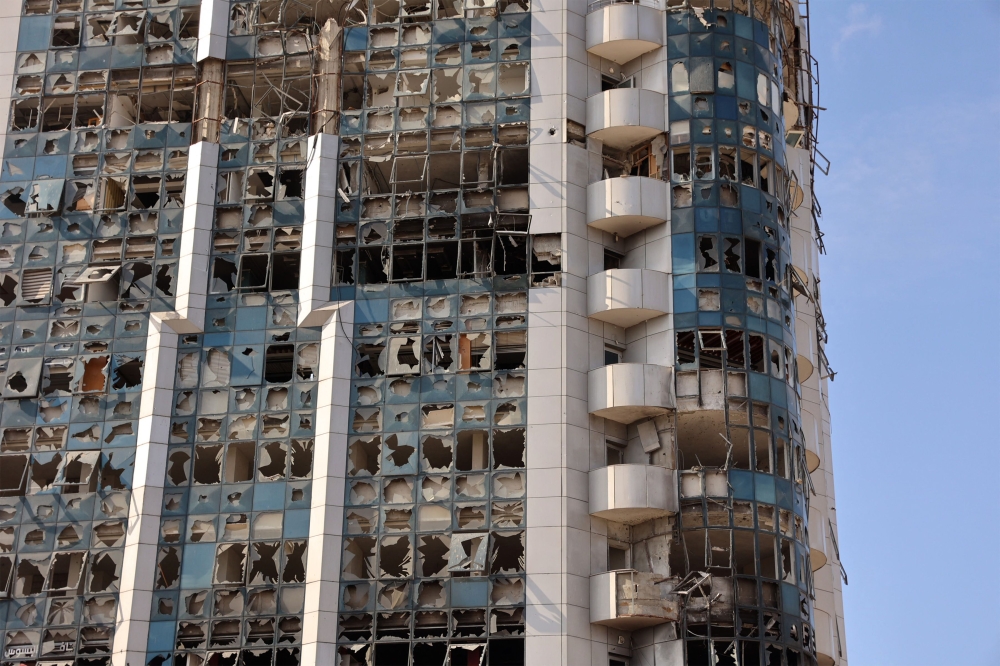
(253, 271)
(757, 353)
(343, 267)
(407, 263)
(371, 266)
(613, 355)
(770, 272)
(511, 255)
(752, 258)
(278, 363)
(286, 271)
(735, 351)
(442, 261)
(686, 354)
(612, 260)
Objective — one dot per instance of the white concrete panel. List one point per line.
(213, 29)
(318, 229)
(624, 32)
(319, 630)
(622, 117)
(626, 297)
(627, 392)
(136, 579)
(625, 206)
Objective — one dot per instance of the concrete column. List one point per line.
(315, 272)
(136, 592)
(213, 29)
(10, 25)
(196, 239)
(326, 517)
(545, 614)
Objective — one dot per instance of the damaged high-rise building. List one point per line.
(413, 333)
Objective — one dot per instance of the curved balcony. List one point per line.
(806, 367)
(625, 206)
(633, 494)
(812, 430)
(825, 626)
(824, 637)
(817, 539)
(622, 32)
(622, 117)
(627, 392)
(628, 599)
(628, 296)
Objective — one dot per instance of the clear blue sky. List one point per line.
(912, 295)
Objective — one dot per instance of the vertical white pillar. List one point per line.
(137, 576)
(318, 228)
(196, 238)
(10, 26)
(545, 548)
(326, 517)
(213, 24)
(137, 579)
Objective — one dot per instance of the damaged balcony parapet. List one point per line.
(319, 632)
(146, 500)
(628, 599)
(622, 117)
(196, 239)
(318, 229)
(632, 494)
(627, 205)
(622, 32)
(628, 296)
(627, 392)
(213, 28)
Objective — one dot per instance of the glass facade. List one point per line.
(432, 240)
(92, 192)
(731, 199)
(428, 105)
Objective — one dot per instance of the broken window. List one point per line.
(468, 552)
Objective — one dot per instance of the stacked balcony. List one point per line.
(627, 205)
(625, 116)
(628, 296)
(628, 392)
(622, 31)
(627, 599)
(622, 117)
(632, 494)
